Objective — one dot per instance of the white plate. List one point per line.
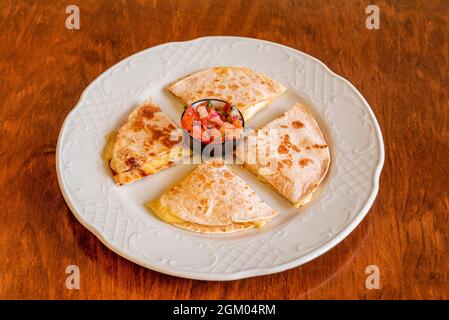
(117, 216)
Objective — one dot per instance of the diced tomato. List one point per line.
(202, 112)
(204, 122)
(211, 124)
(216, 119)
(187, 119)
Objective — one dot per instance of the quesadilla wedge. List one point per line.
(246, 89)
(212, 199)
(146, 143)
(294, 161)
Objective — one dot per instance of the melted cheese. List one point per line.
(163, 213)
(163, 160)
(249, 112)
(167, 215)
(154, 165)
(110, 141)
(304, 201)
(259, 224)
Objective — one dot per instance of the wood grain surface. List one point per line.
(401, 69)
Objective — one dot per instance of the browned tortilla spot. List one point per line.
(287, 162)
(138, 125)
(166, 141)
(143, 173)
(295, 148)
(297, 124)
(216, 164)
(175, 190)
(132, 162)
(317, 146)
(227, 175)
(149, 111)
(282, 149)
(286, 141)
(221, 71)
(305, 162)
(156, 134)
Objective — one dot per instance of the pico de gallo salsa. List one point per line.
(211, 122)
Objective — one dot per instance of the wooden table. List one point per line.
(401, 69)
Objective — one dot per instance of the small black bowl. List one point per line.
(212, 149)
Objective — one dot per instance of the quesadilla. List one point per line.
(290, 154)
(146, 143)
(212, 199)
(246, 89)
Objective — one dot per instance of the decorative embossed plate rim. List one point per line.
(352, 183)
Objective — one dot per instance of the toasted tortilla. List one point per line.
(235, 227)
(248, 90)
(295, 162)
(146, 143)
(212, 199)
